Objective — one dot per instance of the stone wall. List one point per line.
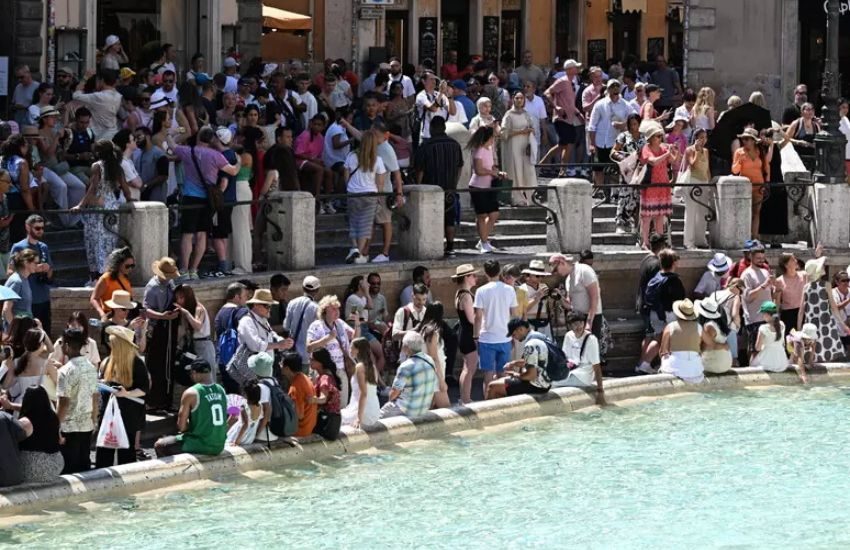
(29, 43)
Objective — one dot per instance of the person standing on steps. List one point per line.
(485, 199)
(159, 308)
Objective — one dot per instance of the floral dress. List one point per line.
(100, 241)
(656, 201)
(627, 200)
(817, 311)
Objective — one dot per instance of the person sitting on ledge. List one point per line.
(581, 349)
(415, 381)
(528, 374)
(202, 419)
(302, 393)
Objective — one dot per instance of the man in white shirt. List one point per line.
(607, 120)
(407, 88)
(430, 103)
(307, 99)
(580, 290)
(408, 317)
(169, 86)
(495, 304)
(103, 104)
(535, 107)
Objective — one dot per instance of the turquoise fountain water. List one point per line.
(747, 469)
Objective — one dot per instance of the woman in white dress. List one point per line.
(714, 332)
(680, 345)
(364, 408)
(770, 344)
(249, 413)
(520, 148)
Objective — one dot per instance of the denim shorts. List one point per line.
(493, 357)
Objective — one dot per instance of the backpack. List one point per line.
(228, 341)
(652, 295)
(284, 418)
(392, 348)
(556, 363)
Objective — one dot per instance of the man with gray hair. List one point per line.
(607, 120)
(415, 381)
(300, 312)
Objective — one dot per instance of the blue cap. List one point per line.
(752, 244)
(459, 84)
(202, 78)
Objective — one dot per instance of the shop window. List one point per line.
(136, 23)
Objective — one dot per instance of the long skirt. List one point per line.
(240, 238)
(361, 216)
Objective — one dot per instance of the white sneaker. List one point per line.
(361, 259)
(353, 254)
(645, 369)
(329, 209)
(323, 208)
(486, 247)
(380, 259)
(478, 247)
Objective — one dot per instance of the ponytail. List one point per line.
(777, 327)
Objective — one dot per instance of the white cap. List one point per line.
(571, 64)
(224, 135)
(311, 283)
(268, 69)
(230, 62)
(159, 99)
(111, 40)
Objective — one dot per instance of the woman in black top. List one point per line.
(41, 459)
(465, 279)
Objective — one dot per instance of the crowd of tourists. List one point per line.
(217, 144)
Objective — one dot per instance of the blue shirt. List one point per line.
(38, 282)
(416, 379)
(230, 192)
(468, 107)
(22, 307)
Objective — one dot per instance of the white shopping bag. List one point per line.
(112, 434)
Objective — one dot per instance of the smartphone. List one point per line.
(95, 323)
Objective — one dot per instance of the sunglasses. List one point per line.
(130, 266)
(38, 228)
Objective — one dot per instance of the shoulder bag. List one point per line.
(347, 361)
(214, 193)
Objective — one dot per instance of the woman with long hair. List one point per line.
(327, 386)
(106, 183)
(32, 368)
(196, 323)
(125, 141)
(520, 148)
(15, 159)
(802, 134)
(358, 302)
(788, 293)
(628, 142)
(77, 320)
(240, 242)
(64, 187)
(15, 334)
(160, 128)
(465, 280)
(435, 332)
(365, 172)
(704, 113)
(119, 266)
(125, 372)
(192, 107)
(243, 427)
(750, 162)
(770, 346)
(41, 459)
(253, 140)
(42, 97)
(398, 110)
(364, 408)
(22, 265)
(656, 201)
(697, 170)
(485, 200)
(250, 117)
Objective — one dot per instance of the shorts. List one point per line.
(567, 134)
(493, 357)
(382, 213)
(485, 202)
(222, 228)
(195, 220)
(518, 386)
(369, 336)
(451, 215)
(752, 336)
(603, 156)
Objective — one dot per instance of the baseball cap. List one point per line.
(224, 135)
(230, 62)
(202, 78)
(459, 84)
(311, 283)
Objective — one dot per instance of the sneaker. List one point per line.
(450, 253)
(329, 208)
(487, 247)
(361, 259)
(353, 254)
(647, 369)
(193, 275)
(380, 259)
(322, 209)
(478, 246)
(620, 230)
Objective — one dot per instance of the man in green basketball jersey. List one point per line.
(202, 420)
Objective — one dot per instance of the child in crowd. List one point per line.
(771, 353)
(803, 347)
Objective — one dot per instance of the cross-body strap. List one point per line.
(583, 345)
(198, 168)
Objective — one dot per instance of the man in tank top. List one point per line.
(202, 420)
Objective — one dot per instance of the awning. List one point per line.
(283, 20)
(634, 5)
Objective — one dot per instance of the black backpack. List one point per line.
(652, 295)
(284, 418)
(556, 363)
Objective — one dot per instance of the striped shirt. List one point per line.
(440, 160)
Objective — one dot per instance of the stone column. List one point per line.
(734, 213)
(250, 31)
(460, 134)
(831, 229)
(293, 245)
(573, 204)
(424, 240)
(145, 227)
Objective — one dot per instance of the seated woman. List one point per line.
(41, 459)
(680, 345)
(803, 347)
(582, 351)
(244, 421)
(771, 351)
(714, 332)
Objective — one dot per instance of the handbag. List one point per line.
(347, 361)
(504, 186)
(215, 195)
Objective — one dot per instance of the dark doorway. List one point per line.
(511, 33)
(396, 34)
(136, 23)
(626, 35)
(565, 16)
(813, 48)
(455, 30)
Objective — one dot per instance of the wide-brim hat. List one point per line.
(751, 133)
(262, 296)
(48, 110)
(815, 268)
(720, 263)
(708, 308)
(463, 270)
(650, 128)
(261, 364)
(678, 118)
(120, 300)
(809, 331)
(124, 333)
(165, 268)
(536, 267)
(684, 310)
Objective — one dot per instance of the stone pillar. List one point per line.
(460, 134)
(832, 229)
(424, 240)
(573, 204)
(293, 245)
(250, 32)
(734, 213)
(29, 18)
(145, 227)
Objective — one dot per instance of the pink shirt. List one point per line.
(311, 147)
(485, 155)
(792, 290)
(681, 143)
(564, 96)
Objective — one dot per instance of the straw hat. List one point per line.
(463, 270)
(751, 133)
(536, 267)
(684, 310)
(720, 263)
(48, 110)
(651, 128)
(120, 300)
(815, 269)
(165, 268)
(262, 296)
(124, 333)
(708, 308)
